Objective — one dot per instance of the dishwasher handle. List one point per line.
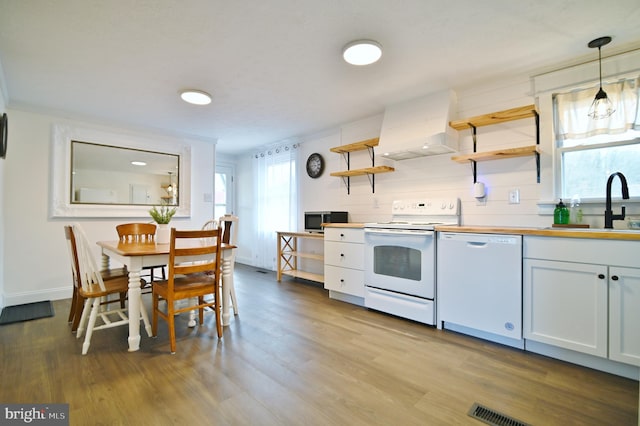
(477, 244)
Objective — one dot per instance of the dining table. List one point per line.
(136, 255)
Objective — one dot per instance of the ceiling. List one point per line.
(274, 68)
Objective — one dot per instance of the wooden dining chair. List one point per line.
(191, 255)
(77, 300)
(140, 232)
(94, 290)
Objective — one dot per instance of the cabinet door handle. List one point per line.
(614, 277)
(601, 276)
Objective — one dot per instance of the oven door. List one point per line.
(401, 261)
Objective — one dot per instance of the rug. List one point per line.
(26, 312)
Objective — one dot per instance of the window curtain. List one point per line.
(572, 121)
(276, 183)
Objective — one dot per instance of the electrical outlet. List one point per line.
(514, 196)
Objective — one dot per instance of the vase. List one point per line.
(163, 233)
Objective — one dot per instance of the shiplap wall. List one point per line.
(432, 177)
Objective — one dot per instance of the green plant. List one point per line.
(163, 215)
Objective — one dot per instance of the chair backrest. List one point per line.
(88, 271)
(230, 235)
(194, 251)
(136, 232)
(210, 224)
(73, 254)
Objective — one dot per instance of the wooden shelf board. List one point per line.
(365, 171)
(316, 256)
(498, 154)
(495, 117)
(356, 146)
(305, 275)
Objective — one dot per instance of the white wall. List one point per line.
(36, 265)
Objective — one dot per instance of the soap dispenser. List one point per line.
(561, 214)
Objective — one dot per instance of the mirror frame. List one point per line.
(60, 182)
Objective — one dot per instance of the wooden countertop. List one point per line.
(592, 233)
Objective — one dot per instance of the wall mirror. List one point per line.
(101, 174)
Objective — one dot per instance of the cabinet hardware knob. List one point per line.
(341, 254)
(614, 277)
(341, 235)
(601, 276)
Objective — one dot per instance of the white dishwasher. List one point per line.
(479, 285)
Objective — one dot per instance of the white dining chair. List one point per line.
(93, 289)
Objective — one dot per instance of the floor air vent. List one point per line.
(492, 417)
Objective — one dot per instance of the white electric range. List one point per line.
(399, 273)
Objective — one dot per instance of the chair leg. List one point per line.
(154, 315)
(79, 309)
(83, 318)
(218, 316)
(72, 311)
(123, 297)
(92, 322)
(172, 326)
(145, 319)
(234, 301)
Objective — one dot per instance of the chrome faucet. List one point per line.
(609, 217)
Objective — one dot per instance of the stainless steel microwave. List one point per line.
(313, 220)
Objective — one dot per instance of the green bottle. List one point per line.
(561, 214)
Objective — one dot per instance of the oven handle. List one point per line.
(397, 231)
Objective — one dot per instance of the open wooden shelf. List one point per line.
(365, 171)
(356, 146)
(305, 275)
(495, 117)
(288, 256)
(370, 172)
(498, 154)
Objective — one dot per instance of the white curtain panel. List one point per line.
(572, 121)
(276, 183)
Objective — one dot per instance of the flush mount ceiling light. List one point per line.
(196, 97)
(362, 52)
(601, 106)
(138, 163)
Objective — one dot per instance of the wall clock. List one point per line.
(315, 165)
(3, 135)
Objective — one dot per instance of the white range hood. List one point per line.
(419, 127)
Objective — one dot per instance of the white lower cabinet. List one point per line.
(624, 315)
(344, 260)
(565, 304)
(580, 295)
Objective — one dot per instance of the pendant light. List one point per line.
(601, 106)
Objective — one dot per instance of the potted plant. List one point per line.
(162, 216)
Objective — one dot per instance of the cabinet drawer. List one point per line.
(351, 235)
(344, 280)
(346, 255)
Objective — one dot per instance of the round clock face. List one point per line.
(315, 165)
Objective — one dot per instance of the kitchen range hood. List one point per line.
(419, 127)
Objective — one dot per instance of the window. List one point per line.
(591, 150)
(224, 190)
(276, 199)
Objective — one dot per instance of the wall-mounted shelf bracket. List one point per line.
(495, 118)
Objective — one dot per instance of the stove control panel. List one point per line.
(426, 207)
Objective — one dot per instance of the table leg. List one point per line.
(227, 282)
(134, 294)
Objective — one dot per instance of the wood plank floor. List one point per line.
(293, 356)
